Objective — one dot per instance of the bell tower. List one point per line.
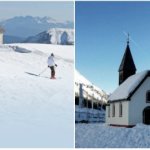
(127, 66)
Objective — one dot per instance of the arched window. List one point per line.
(113, 110)
(120, 109)
(148, 97)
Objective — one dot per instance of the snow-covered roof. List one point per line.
(128, 86)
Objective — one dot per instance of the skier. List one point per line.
(51, 65)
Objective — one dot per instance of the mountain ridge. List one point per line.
(25, 26)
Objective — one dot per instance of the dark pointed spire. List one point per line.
(128, 39)
(127, 66)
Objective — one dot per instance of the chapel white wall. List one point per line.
(124, 120)
(138, 103)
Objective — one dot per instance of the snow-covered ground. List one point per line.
(36, 111)
(103, 136)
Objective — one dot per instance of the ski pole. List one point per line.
(42, 71)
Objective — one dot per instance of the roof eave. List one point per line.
(118, 100)
(132, 93)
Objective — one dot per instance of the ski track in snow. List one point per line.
(36, 111)
(99, 135)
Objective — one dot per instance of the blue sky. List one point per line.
(101, 39)
(61, 11)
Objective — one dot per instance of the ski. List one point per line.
(37, 75)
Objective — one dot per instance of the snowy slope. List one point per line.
(36, 111)
(103, 136)
(89, 88)
(53, 36)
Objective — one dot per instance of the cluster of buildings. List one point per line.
(88, 95)
(90, 101)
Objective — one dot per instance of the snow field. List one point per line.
(103, 136)
(36, 111)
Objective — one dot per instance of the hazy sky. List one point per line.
(101, 42)
(58, 10)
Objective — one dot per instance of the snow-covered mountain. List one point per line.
(25, 26)
(34, 110)
(89, 88)
(54, 36)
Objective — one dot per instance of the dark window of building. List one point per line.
(99, 105)
(120, 109)
(104, 107)
(148, 97)
(113, 110)
(89, 104)
(85, 103)
(77, 100)
(95, 105)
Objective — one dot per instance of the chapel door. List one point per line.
(146, 116)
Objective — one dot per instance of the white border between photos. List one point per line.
(74, 72)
